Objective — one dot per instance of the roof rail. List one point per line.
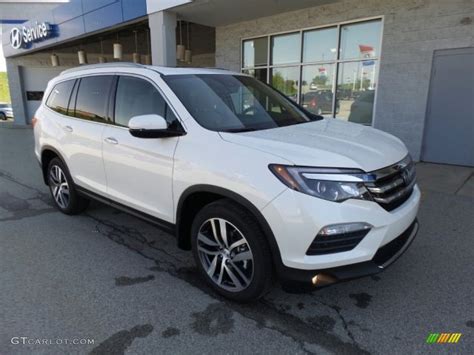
(103, 65)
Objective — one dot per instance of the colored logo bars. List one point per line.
(443, 338)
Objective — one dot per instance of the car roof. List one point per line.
(124, 66)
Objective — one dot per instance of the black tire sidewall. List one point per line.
(3, 117)
(248, 226)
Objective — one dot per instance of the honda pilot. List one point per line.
(256, 186)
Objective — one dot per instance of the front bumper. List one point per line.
(383, 258)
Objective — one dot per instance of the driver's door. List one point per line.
(139, 170)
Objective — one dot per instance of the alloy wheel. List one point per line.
(225, 254)
(59, 186)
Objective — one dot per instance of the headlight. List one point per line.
(327, 183)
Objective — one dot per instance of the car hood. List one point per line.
(326, 143)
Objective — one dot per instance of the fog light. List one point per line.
(323, 279)
(345, 228)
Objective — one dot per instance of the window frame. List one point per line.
(336, 62)
(46, 98)
(112, 100)
(75, 91)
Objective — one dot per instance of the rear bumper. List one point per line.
(298, 279)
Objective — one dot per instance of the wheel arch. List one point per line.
(205, 194)
(48, 153)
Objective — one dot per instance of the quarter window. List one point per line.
(92, 98)
(138, 97)
(330, 70)
(59, 98)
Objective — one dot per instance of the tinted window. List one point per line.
(92, 97)
(59, 98)
(137, 97)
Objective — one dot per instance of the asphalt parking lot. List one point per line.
(122, 284)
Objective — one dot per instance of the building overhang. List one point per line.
(225, 12)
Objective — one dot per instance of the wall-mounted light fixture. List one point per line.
(117, 49)
(82, 56)
(54, 60)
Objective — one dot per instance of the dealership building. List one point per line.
(403, 66)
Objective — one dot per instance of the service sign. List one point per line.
(23, 37)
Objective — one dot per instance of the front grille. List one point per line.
(393, 185)
(328, 244)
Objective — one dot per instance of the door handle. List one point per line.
(111, 140)
(68, 128)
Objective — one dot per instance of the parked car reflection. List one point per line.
(362, 108)
(318, 102)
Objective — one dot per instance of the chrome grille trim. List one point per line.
(385, 188)
(396, 196)
(392, 185)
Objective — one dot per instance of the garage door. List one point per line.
(34, 82)
(449, 128)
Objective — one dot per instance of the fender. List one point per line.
(183, 241)
(55, 151)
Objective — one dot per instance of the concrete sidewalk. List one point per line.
(451, 179)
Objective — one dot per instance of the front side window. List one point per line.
(92, 98)
(234, 103)
(59, 97)
(137, 97)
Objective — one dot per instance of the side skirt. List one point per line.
(162, 224)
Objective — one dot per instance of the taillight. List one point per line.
(313, 103)
(33, 121)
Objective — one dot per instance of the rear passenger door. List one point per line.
(139, 170)
(83, 128)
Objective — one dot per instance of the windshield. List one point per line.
(235, 103)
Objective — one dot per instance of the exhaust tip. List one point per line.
(323, 279)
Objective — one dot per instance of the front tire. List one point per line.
(63, 190)
(3, 117)
(231, 251)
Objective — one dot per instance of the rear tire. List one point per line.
(237, 263)
(3, 117)
(63, 190)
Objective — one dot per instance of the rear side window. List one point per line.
(136, 97)
(92, 98)
(59, 98)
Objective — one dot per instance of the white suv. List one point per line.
(254, 184)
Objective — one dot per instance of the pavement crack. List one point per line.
(263, 313)
(345, 324)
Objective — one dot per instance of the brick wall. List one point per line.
(413, 29)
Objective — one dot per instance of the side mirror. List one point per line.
(151, 126)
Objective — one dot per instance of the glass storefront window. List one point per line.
(331, 71)
(320, 45)
(355, 92)
(286, 80)
(360, 40)
(317, 88)
(286, 48)
(255, 52)
(260, 74)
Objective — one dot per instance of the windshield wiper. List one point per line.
(239, 130)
